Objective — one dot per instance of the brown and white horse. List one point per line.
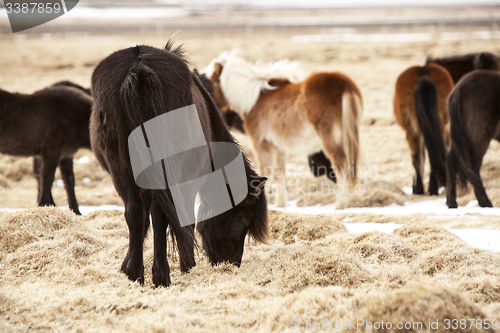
(288, 113)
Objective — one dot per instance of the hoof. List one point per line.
(161, 276)
(451, 204)
(135, 274)
(418, 190)
(486, 203)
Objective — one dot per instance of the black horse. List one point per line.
(458, 66)
(51, 125)
(130, 87)
(474, 107)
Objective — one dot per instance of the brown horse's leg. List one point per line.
(135, 215)
(66, 167)
(451, 178)
(416, 143)
(280, 176)
(161, 269)
(266, 155)
(49, 165)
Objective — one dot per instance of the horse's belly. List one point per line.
(302, 142)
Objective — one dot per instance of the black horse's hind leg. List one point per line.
(135, 215)
(161, 269)
(433, 183)
(49, 165)
(451, 180)
(66, 167)
(418, 185)
(477, 183)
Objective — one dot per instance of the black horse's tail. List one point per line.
(460, 155)
(142, 95)
(426, 107)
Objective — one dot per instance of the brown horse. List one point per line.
(458, 66)
(420, 109)
(130, 87)
(474, 107)
(51, 125)
(232, 119)
(286, 112)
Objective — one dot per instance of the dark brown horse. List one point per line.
(474, 107)
(130, 87)
(420, 109)
(51, 125)
(458, 66)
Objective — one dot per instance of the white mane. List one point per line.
(242, 82)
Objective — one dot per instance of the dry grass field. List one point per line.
(60, 272)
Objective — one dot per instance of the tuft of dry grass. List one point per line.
(60, 271)
(424, 308)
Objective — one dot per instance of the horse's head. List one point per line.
(486, 60)
(224, 236)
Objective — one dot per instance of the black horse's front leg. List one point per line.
(187, 258)
(49, 165)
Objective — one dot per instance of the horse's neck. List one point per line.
(7, 99)
(4, 94)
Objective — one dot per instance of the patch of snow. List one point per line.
(408, 190)
(85, 210)
(430, 207)
(59, 183)
(360, 228)
(82, 160)
(479, 238)
(86, 180)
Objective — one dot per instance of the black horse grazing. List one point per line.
(458, 66)
(474, 107)
(130, 87)
(51, 125)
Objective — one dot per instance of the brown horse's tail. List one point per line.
(426, 109)
(143, 96)
(352, 111)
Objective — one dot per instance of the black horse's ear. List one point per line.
(255, 189)
(257, 186)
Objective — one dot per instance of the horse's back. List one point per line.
(476, 99)
(404, 96)
(50, 121)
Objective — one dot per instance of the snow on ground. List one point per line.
(479, 238)
(85, 210)
(436, 207)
